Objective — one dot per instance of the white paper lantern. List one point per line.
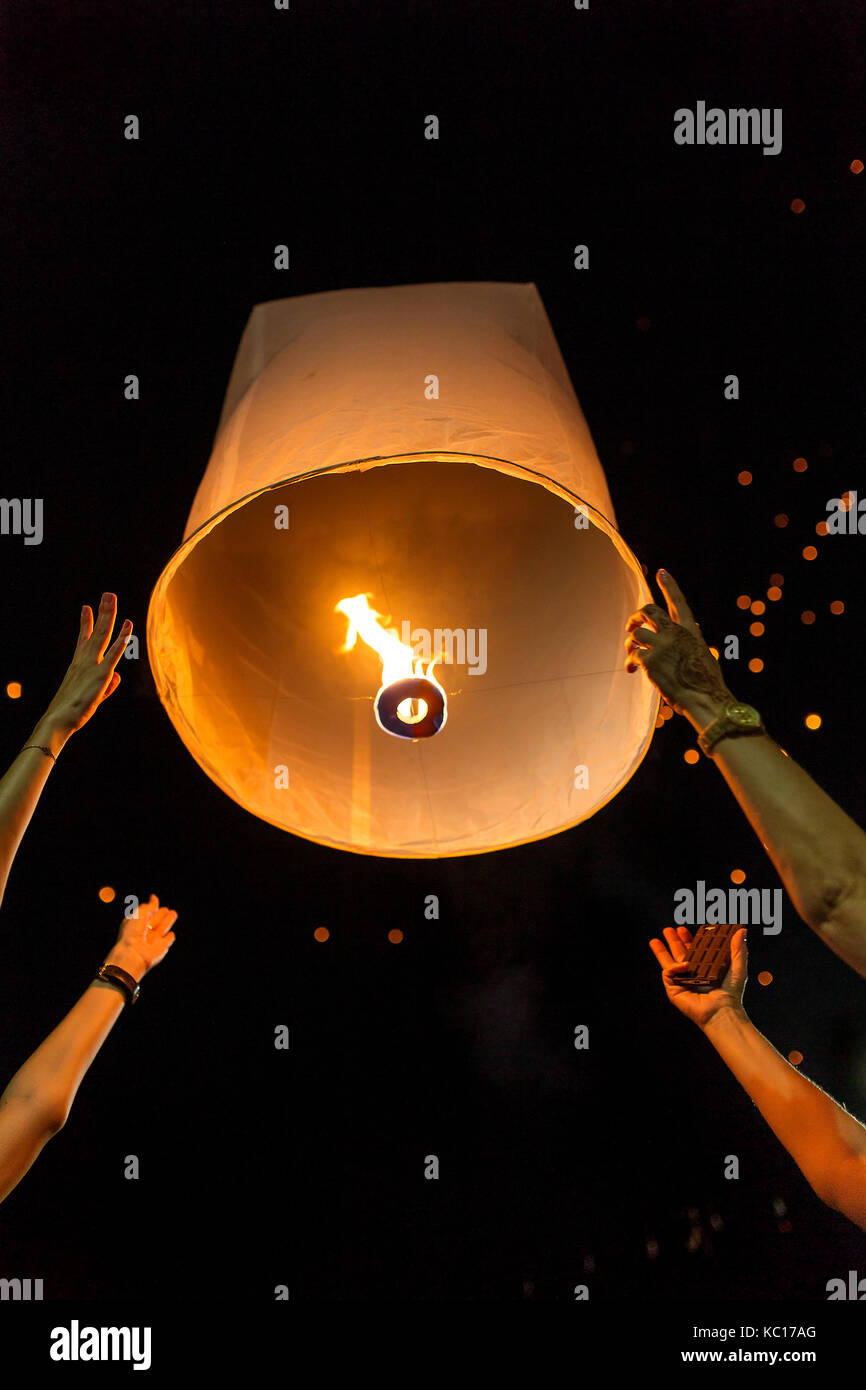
(421, 444)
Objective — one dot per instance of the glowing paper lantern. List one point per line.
(422, 445)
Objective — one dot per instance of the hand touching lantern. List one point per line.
(818, 851)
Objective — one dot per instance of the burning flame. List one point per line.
(398, 660)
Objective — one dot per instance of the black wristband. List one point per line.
(113, 975)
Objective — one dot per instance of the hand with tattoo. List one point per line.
(675, 656)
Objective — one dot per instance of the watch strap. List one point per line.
(121, 979)
(726, 724)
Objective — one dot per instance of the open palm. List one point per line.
(91, 677)
(700, 1008)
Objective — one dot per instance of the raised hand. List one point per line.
(700, 1008)
(91, 677)
(144, 940)
(674, 654)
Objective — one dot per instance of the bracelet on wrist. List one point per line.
(42, 749)
(121, 980)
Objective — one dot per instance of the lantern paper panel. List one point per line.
(338, 471)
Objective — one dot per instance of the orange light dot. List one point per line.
(780, 520)
(107, 894)
(715, 652)
(743, 601)
(797, 205)
(321, 933)
(795, 1058)
(738, 876)
(759, 607)
(756, 629)
(395, 935)
(800, 465)
(837, 606)
(756, 664)
(659, 721)
(13, 690)
(809, 552)
(667, 713)
(774, 593)
(845, 499)
(820, 528)
(856, 166)
(765, 978)
(777, 579)
(813, 721)
(807, 617)
(691, 755)
(744, 478)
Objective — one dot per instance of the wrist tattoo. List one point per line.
(696, 667)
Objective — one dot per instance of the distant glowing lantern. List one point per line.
(409, 466)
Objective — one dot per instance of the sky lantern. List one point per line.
(395, 623)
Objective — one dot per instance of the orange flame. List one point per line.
(397, 657)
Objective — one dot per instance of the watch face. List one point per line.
(744, 716)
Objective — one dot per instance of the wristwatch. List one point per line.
(113, 975)
(735, 719)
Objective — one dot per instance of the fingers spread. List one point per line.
(85, 627)
(117, 647)
(105, 622)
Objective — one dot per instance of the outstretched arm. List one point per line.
(91, 678)
(819, 852)
(827, 1144)
(37, 1101)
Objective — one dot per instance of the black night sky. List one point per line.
(306, 127)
